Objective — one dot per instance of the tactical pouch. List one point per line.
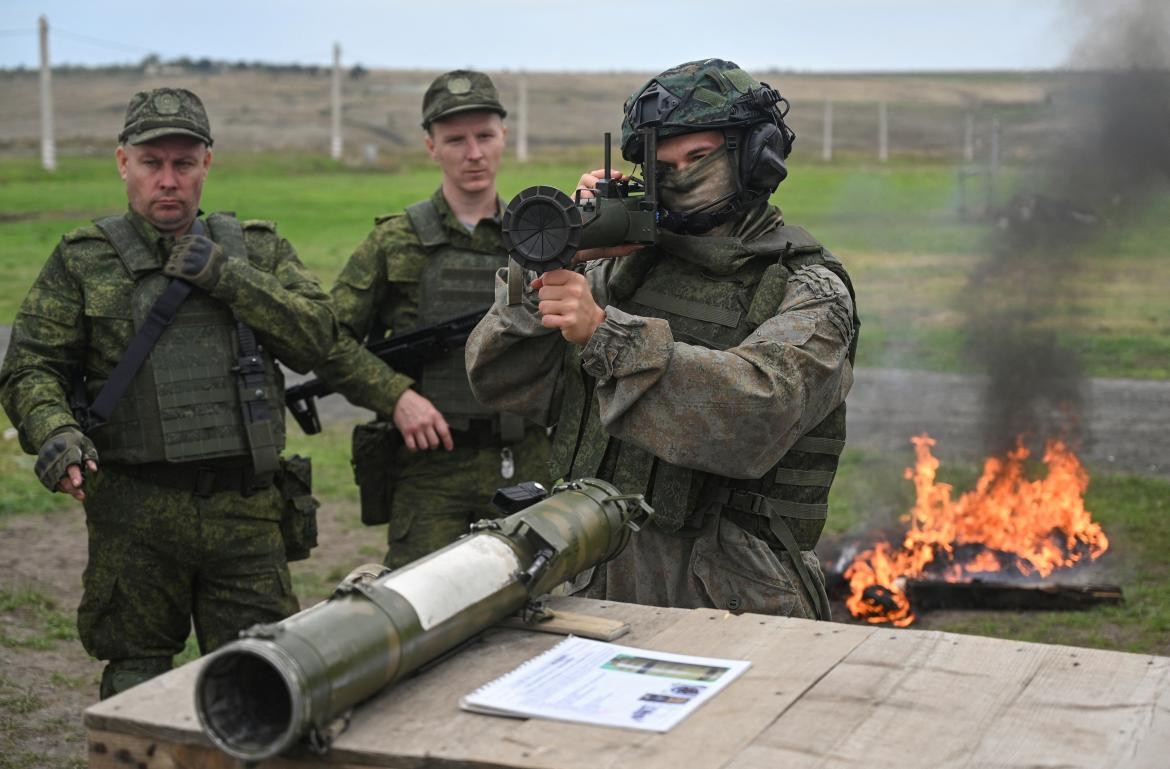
(373, 447)
(298, 521)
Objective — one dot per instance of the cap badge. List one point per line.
(166, 103)
(459, 85)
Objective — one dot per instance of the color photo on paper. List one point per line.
(627, 663)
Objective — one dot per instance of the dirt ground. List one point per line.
(46, 690)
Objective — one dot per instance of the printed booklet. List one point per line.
(594, 682)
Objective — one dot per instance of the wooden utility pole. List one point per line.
(827, 141)
(969, 138)
(522, 120)
(996, 135)
(992, 164)
(48, 147)
(883, 133)
(335, 143)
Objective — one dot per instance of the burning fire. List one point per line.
(1007, 523)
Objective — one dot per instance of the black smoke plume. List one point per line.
(1111, 149)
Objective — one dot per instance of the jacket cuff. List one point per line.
(393, 390)
(602, 353)
(37, 430)
(231, 277)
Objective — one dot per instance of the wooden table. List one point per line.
(817, 695)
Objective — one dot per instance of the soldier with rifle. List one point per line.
(430, 463)
(707, 371)
(142, 373)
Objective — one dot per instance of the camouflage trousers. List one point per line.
(162, 559)
(438, 494)
(724, 567)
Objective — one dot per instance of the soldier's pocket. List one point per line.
(298, 521)
(739, 573)
(373, 445)
(95, 615)
(109, 316)
(795, 328)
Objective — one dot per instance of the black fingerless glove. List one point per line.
(68, 446)
(197, 260)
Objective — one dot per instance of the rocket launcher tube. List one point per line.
(543, 228)
(258, 696)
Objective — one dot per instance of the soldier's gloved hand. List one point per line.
(59, 461)
(197, 260)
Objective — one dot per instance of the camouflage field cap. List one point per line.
(697, 96)
(460, 91)
(165, 112)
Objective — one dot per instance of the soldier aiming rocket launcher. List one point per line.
(543, 228)
(256, 697)
(403, 352)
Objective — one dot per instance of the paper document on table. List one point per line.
(594, 682)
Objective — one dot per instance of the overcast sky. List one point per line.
(808, 35)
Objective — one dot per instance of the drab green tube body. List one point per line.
(257, 696)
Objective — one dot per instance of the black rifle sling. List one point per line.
(250, 368)
(254, 402)
(124, 238)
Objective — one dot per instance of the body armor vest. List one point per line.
(717, 312)
(455, 280)
(186, 402)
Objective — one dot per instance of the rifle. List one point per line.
(403, 352)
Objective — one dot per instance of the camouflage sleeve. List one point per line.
(352, 370)
(44, 354)
(733, 412)
(514, 364)
(288, 308)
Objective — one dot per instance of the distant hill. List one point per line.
(264, 109)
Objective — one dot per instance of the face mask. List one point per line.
(704, 185)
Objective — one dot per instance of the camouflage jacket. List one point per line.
(76, 319)
(377, 295)
(732, 412)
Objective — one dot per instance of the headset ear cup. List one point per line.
(762, 160)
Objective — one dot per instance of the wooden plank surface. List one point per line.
(568, 623)
(115, 750)
(431, 725)
(817, 695)
(910, 699)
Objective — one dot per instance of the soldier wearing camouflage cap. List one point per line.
(460, 90)
(429, 465)
(708, 371)
(142, 373)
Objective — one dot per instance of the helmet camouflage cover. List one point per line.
(698, 96)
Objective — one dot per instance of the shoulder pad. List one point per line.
(799, 239)
(258, 224)
(388, 217)
(88, 232)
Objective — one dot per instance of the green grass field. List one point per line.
(869, 490)
(897, 230)
(895, 226)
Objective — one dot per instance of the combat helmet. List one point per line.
(713, 94)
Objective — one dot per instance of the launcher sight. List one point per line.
(543, 228)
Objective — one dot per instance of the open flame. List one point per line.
(1006, 524)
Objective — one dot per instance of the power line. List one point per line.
(100, 42)
(317, 58)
